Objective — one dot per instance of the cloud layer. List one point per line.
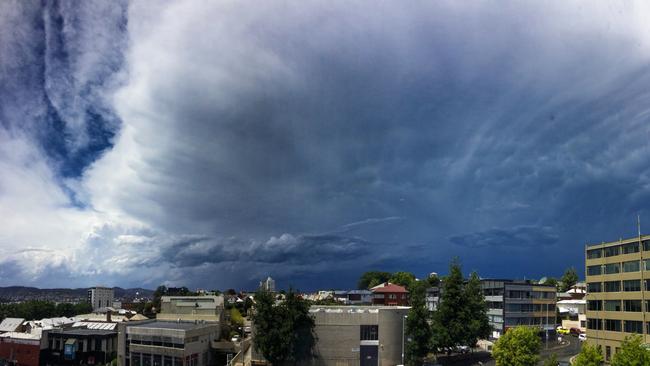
(213, 144)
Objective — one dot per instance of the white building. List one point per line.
(100, 297)
(268, 284)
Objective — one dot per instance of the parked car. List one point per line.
(575, 331)
(563, 363)
(582, 337)
(561, 330)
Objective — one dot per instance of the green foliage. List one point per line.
(284, 333)
(632, 353)
(448, 325)
(589, 356)
(417, 326)
(372, 279)
(550, 361)
(37, 309)
(552, 281)
(236, 318)
(569, 278)
(405, 279)
(475, 312)
(159, 293)
(433, 281)
(517, 347)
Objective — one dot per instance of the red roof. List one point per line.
(390, 288)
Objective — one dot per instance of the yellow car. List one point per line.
(561, 330)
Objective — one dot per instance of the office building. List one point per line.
(618, 293)
(80, 345)
(191, 308)
(512, 303)
(358, 335)
(268, 284)
(166, 343)
(100, 297)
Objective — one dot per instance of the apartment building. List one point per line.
(100, 297)
(618, 293)
(512, 303)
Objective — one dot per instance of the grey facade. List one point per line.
(191, 308)
(164, 343)
(100, 297)
(358, 335)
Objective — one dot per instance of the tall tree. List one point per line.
(372, 279)
(417, 326)
(448, 323)
(517, 347)
(476, 319)
(632, 353)
(589, 356)
(284, 332)
(433, 280)
(405, 279)
(569, 278)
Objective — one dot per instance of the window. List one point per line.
(646, 245)
(595, 324)
(369, 332)
(608, 353)
(633, 326)
(631, 266)
(613, 325)
(612, 251)
(594, 287)
(630, 248)
(612, 268)
(594, 270)
(631, 285)
(612, 305)
(613, 286)
(632, 305)
(596, 305)
(594, 253)
(647, 264)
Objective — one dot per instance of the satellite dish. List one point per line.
(542, 280)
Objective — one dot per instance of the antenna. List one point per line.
(638, 223)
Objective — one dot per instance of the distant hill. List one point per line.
(21, 293)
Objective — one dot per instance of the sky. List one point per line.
(212, 144)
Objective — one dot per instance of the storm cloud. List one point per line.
(159, 141)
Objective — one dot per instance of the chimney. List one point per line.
(108, 316)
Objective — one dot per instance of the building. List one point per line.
(572, 307)
(192, 308)
(11, 325)
(20, 349)
(268, 284)
(432, 299)
(358, 335)
(166, 343)
(512, 303)
(353, 297)
(81, 345)
(100, 297)
(618, 293)
(389, 294)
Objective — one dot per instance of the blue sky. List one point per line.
(213, 144)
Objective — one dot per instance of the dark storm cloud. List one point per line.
(519, 236)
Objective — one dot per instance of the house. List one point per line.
(389, 294)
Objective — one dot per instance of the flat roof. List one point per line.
(159, 324)
(617, 242)
(83, 331)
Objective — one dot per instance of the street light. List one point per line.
(403, 319)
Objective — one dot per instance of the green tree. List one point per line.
(551, 281)
(589, 356)
(569, 278)
(236, 318)
(550, 361)
(475, 312)
(405, 279)
(417, 326)
(632, 353)
(448, 323)
(434, 280)
(157, 295)
(517, 347)
(284, 333)
(372, 279)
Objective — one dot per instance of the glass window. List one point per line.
(594, 253)
(612, 251)
(630, 248)
(594, 287)
(594, 270)
(369, 332)
(612, 268)
(631, 266)
(596, 324)
(633, 326)
(612, 305)
(596, 305)
(613, 286)
(632, 305)
(646, 245)
(647, 264)
(613, 325)
(632, 285)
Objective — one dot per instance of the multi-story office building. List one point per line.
(513, 303)
(618, 293)
(100, 297)
(268, 284)
(192, 308)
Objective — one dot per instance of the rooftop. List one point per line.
(157, 324)
(619, 241)
(10, 324)
(389, 287)
(358, 309)
(83, 331)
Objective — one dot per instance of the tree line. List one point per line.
(38, 309)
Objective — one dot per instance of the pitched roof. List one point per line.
(389, 287)
(11, 324)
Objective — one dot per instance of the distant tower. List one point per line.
(100, 297)
(268, 284)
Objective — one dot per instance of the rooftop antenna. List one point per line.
(638, 223)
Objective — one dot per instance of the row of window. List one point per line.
(512, 294)
(540, 321)
(614, 325)
(529, 308)
(615, 286)
(617, 250)
(613, 268)
(617, 305)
